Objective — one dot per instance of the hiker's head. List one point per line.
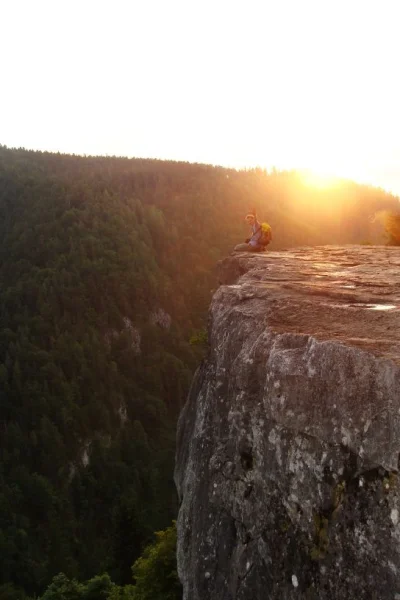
(250, 219)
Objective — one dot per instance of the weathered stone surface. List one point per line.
(288, 446)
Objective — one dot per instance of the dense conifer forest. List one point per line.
(107, 266)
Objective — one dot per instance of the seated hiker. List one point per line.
(260, 236)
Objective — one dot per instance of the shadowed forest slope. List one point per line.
(106, 271)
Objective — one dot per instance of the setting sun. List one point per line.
(319, 179)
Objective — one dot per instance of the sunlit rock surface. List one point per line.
(288, 446)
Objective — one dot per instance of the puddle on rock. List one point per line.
(365, 305)
(381, 306)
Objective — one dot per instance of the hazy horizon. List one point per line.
(308, 85)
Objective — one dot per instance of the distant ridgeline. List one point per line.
(106, 271)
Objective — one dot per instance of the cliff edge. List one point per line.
(288, 445)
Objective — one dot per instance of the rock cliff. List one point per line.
(288, 446)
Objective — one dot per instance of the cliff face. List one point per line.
(288, 446)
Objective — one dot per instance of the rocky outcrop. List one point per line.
(288, 446)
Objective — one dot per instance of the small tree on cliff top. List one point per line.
(392, 227)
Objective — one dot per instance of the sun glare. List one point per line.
(319, 179)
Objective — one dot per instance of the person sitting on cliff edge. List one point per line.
(260, 235)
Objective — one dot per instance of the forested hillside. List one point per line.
(106, 272)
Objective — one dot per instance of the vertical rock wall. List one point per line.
(288, 446)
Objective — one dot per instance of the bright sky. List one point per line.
(290, 83)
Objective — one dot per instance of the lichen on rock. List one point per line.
(288, 445)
